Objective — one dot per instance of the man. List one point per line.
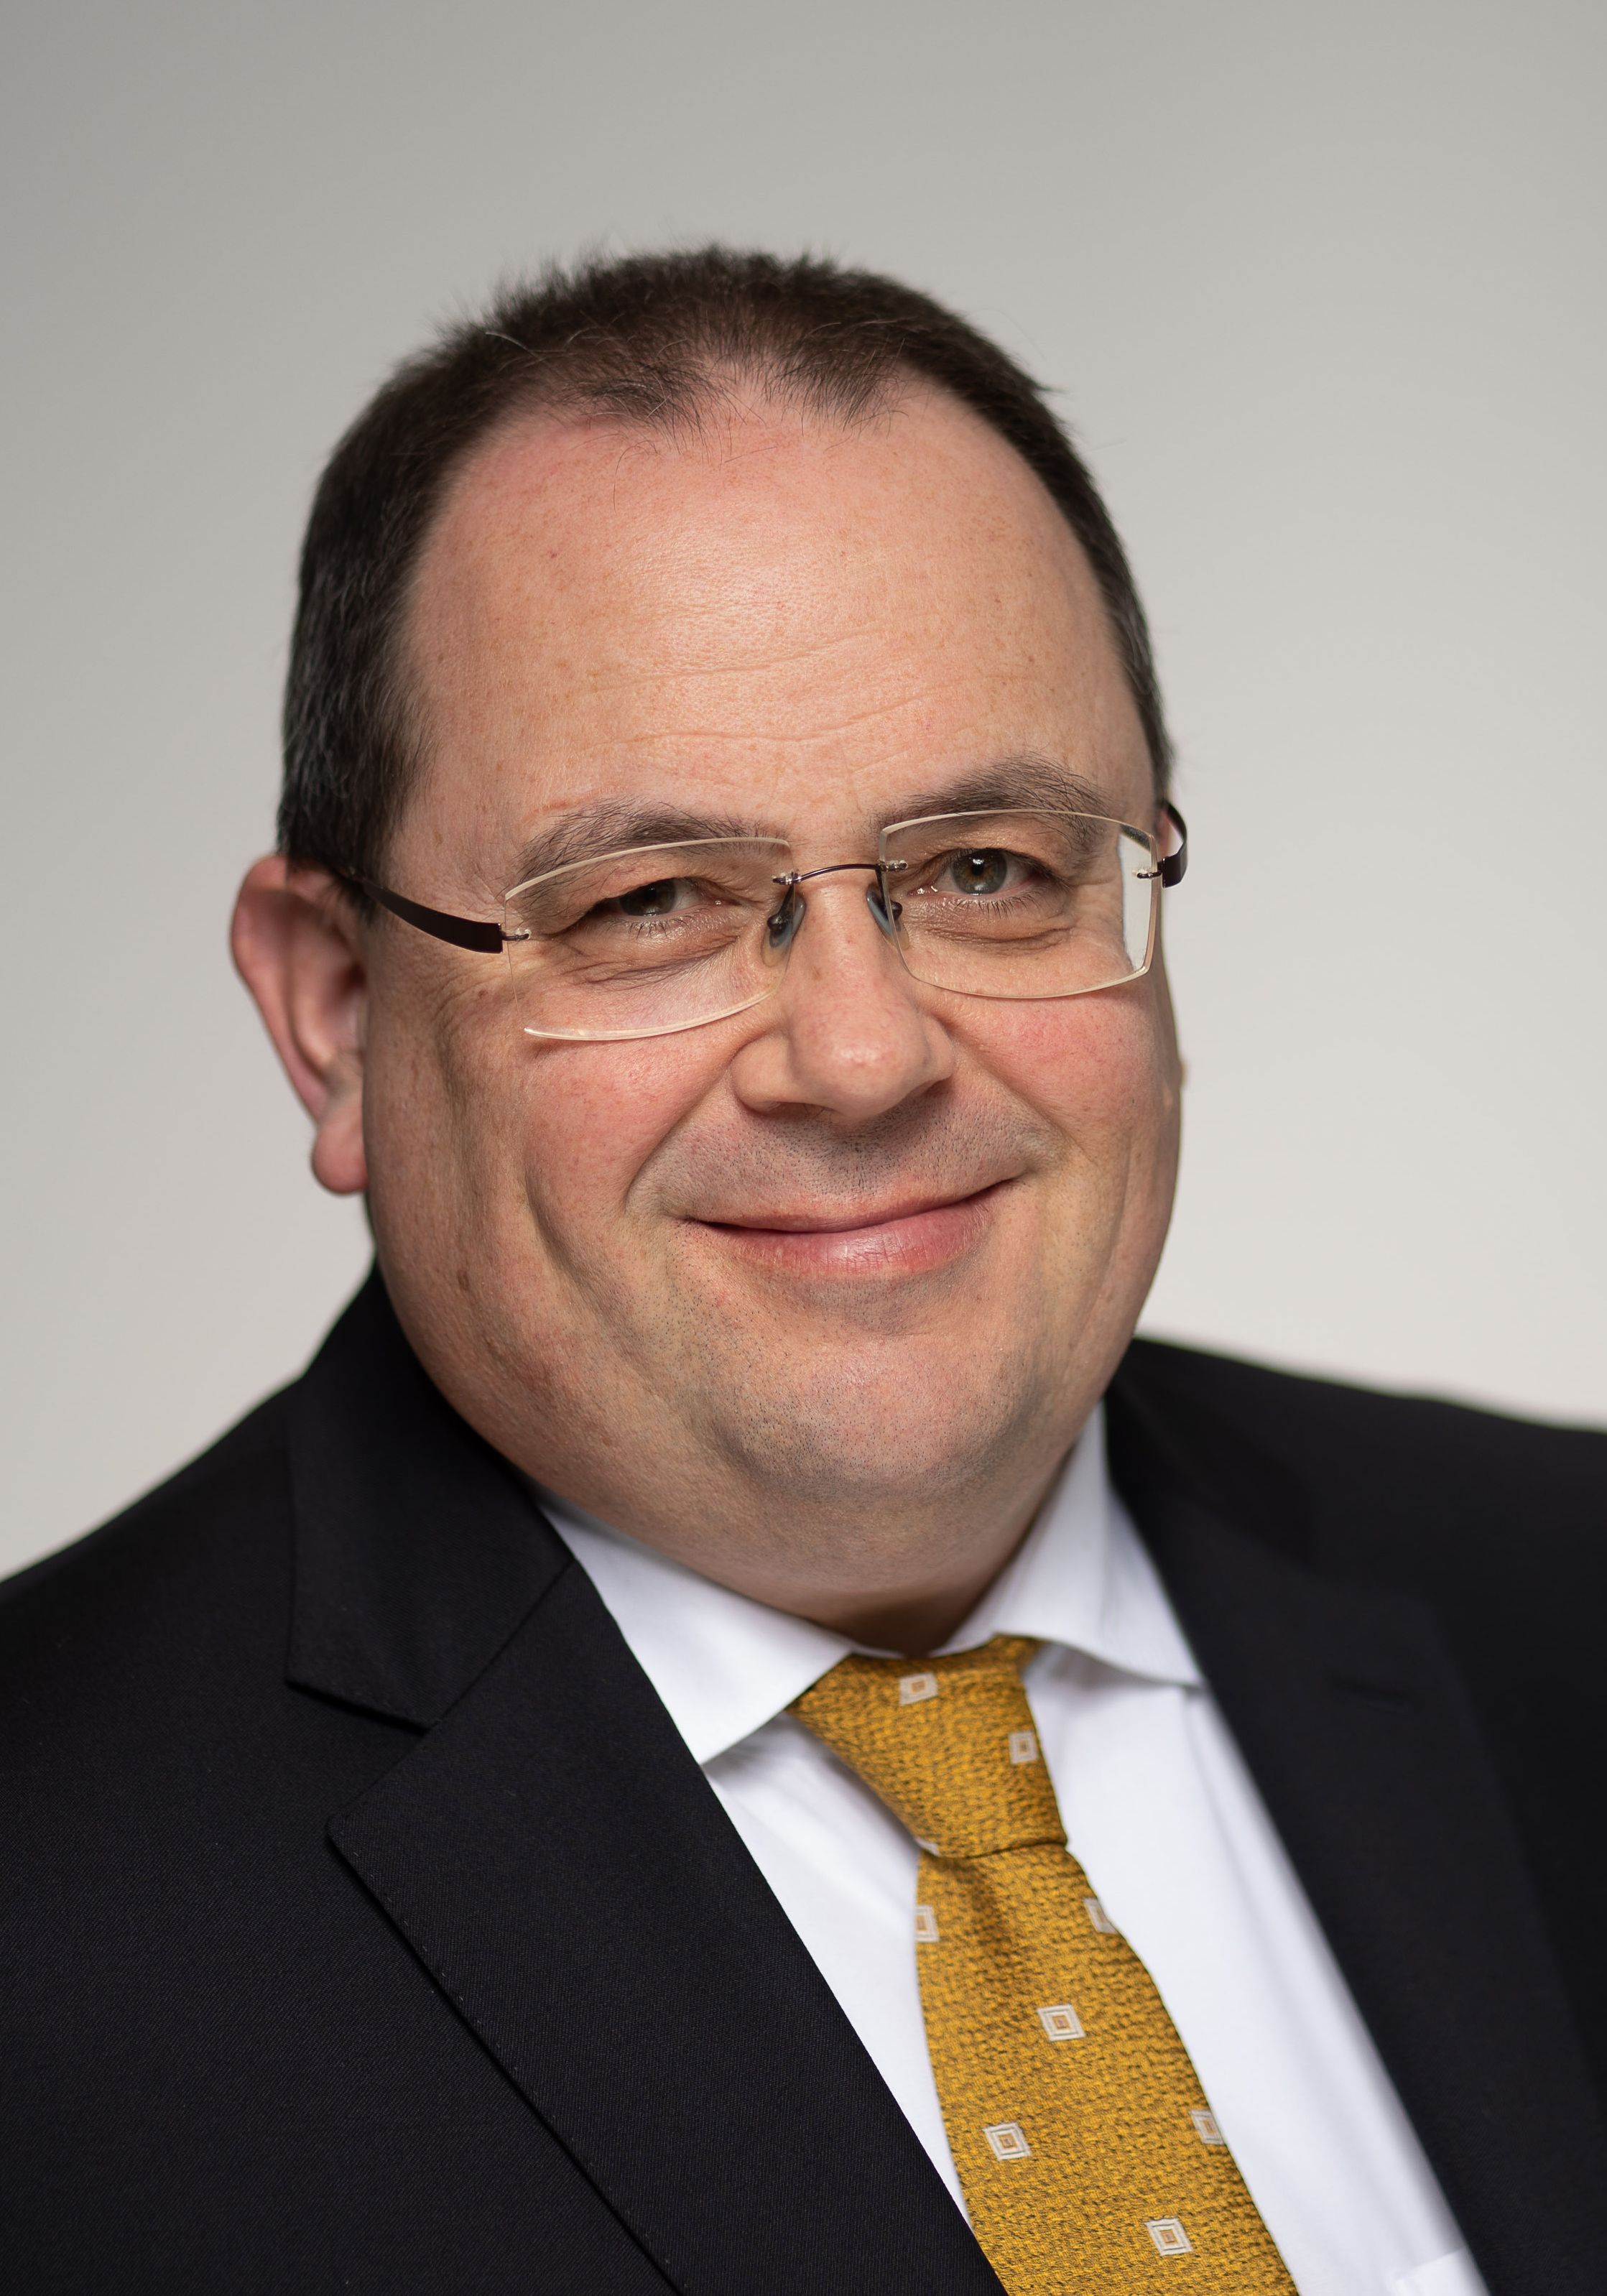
(736, 1731)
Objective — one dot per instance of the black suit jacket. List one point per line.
(366, 1925)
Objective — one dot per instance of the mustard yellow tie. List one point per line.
(1089, 2158)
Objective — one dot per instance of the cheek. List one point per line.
(1102, 1069)
(429, 1100)
(590, 1118)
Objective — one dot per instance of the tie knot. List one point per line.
(948, 1742)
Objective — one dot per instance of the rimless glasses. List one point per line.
(1017, 902)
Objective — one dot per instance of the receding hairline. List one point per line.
(735, 397)
(736, 394)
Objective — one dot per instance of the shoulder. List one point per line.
(1386, 1478)
(154, 1759)
(152, 1596)
(1349, 1430)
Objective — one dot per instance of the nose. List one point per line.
(847, 1033)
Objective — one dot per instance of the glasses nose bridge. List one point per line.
(792, 907)
(834, 869)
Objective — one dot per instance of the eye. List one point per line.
(655, 900)
(980, 873)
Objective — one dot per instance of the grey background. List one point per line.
(1321, 288)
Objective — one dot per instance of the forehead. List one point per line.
(774, 617)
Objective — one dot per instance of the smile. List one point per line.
(911, 1239)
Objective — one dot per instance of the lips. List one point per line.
(911, 1236)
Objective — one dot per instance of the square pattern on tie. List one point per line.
(1169, 2236)
(926, 1925)
(914, 1687)
(1009, 2144)
(1205, 2126)
(1099, 1917)
(1023, 1746)
(1061, 2023)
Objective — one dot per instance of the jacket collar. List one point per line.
(1352, 1719)
(418, 1551)
(558, 1864)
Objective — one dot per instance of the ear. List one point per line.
(299, 948)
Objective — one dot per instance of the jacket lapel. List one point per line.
(417, 1552)
(556, 1860)
(1358, 1732)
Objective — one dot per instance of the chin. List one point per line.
(880, 1431)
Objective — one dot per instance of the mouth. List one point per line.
(908, 1237)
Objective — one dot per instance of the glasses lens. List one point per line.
(645, 942)
(1023, 904)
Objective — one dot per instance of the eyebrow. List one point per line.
(616, 825)
(1029, 781)
(619, 826)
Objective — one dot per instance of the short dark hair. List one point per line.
(655, 340)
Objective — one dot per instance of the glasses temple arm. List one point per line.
(463, 932)
(1174, 865)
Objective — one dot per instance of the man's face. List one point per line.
(808, 1291)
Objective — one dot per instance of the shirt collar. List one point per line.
(724, 1665)
(1083, 1578)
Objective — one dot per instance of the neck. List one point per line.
(886, 1578)
(915, 1623)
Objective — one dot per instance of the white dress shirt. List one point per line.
(1161, 1813)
